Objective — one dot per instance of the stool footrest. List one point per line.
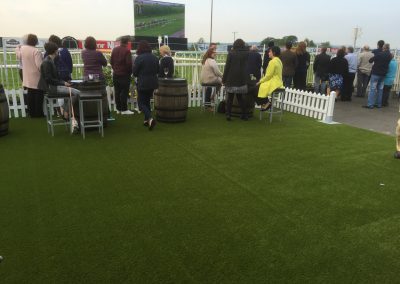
(51, 123)
(90, 98)
(97, 123)
(277, 104)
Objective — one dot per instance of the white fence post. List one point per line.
(110, 98)
(22, 102)
(330, 109)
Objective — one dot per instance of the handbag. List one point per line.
(221, 107)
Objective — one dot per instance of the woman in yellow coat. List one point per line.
(272, 79)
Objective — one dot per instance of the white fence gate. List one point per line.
(310, 104)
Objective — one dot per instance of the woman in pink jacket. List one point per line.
(31, 59)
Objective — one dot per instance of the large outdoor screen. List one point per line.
(155, 18)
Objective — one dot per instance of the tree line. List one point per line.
(292, 38)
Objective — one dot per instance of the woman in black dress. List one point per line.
(338, 68)
(303, 59)
(146, 70)
(235, 77)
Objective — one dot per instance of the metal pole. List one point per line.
(355, 36)
(234, 36)
(211, 27)
(5, 64)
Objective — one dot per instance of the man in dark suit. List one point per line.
(321, 67)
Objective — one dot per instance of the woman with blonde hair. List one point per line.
(303, 62)
(166, 63)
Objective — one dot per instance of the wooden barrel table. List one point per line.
(4, 113)
(249, 103)
(171, 100)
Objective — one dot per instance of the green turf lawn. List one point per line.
(206, 201)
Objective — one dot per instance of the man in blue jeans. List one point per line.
(381, 64)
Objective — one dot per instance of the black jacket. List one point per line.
(235, 73)
(49, 78)
(289, 62)
(254, 65)
(381, 63)
(166, 62)
(303, 61)
(321, 65)
(266, 60)
(377, 51)
(146, 70)
(339, 65)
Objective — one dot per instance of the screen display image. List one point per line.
(155, 18)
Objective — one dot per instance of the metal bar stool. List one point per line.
(277, 105)
(95, 97)
(210, 104)
(50, 121)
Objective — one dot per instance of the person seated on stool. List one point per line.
(272, 79)
(210, 74)
(52, 84)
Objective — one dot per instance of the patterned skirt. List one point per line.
(237, 90)
(335, 82)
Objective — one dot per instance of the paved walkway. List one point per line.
(382, 120)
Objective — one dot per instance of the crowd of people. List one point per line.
(245, 73)
(242, 76)
(376, 68)
(51, 73)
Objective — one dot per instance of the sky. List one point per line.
(253, 20)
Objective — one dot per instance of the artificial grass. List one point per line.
(206, 201)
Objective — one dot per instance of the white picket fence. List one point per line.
(303, 103)
(308, 104)
(16, 103)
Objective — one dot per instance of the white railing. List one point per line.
(303, 103)
(308, 104)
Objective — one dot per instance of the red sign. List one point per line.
(104, 45)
